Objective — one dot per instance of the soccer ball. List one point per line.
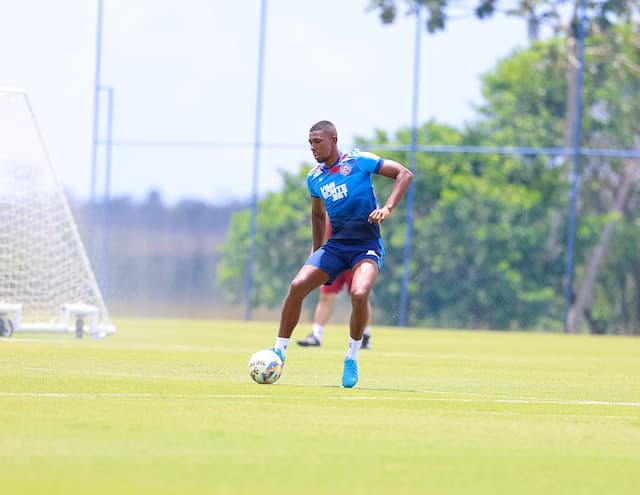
(265, 367)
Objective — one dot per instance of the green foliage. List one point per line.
(478, 270)
(560, 16)
(525, 105)
(525, 98)
(618, 293)
(481, 227)
(489, 230)
(436, 11)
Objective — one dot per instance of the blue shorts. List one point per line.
(339, 255)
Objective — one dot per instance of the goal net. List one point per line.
(46, 281)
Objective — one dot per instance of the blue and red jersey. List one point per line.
(347, 191)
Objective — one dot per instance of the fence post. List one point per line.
(256, 161)
(575, 174)
(404, 290)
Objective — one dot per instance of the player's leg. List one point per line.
(365, 274)
(366, 338)
(323, 265)
(308, 278)
(323, 312)
(324, 307)
(321, 317)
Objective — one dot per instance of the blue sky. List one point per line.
(186, 71)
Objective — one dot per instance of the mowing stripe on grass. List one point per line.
(309, 397)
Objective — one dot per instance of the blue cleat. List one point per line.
(279, 353)
(350, 373)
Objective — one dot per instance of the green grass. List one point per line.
(167, 406)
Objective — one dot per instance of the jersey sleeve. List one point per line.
(370, 161)
(310, 185)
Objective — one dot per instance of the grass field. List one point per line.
(167, 407)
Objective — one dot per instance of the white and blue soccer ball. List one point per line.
(265, 367)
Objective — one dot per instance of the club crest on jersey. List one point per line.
(345, 169)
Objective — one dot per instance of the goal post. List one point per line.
(46, 280)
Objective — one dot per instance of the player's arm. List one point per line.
(318, 222)
(402, 178)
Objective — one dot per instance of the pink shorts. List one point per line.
(338, 283)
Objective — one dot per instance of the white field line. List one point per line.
(470, 397)
(127, 346)
(98, 395)
(493, 358)
(121, 374)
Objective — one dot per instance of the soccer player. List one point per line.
(322, 313)
(341, 187)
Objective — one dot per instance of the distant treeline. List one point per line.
(152, 258)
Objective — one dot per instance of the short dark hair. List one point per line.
(324, 125)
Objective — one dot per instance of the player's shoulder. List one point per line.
(365, 160)
(356, 153)
(315, 171)
(352, 154)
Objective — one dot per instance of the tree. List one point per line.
(565, 20)
(490, 229)
(480, 256)
(558, 16)
(479, 222)
(607, 185)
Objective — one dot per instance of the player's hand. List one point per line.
(379, 215)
